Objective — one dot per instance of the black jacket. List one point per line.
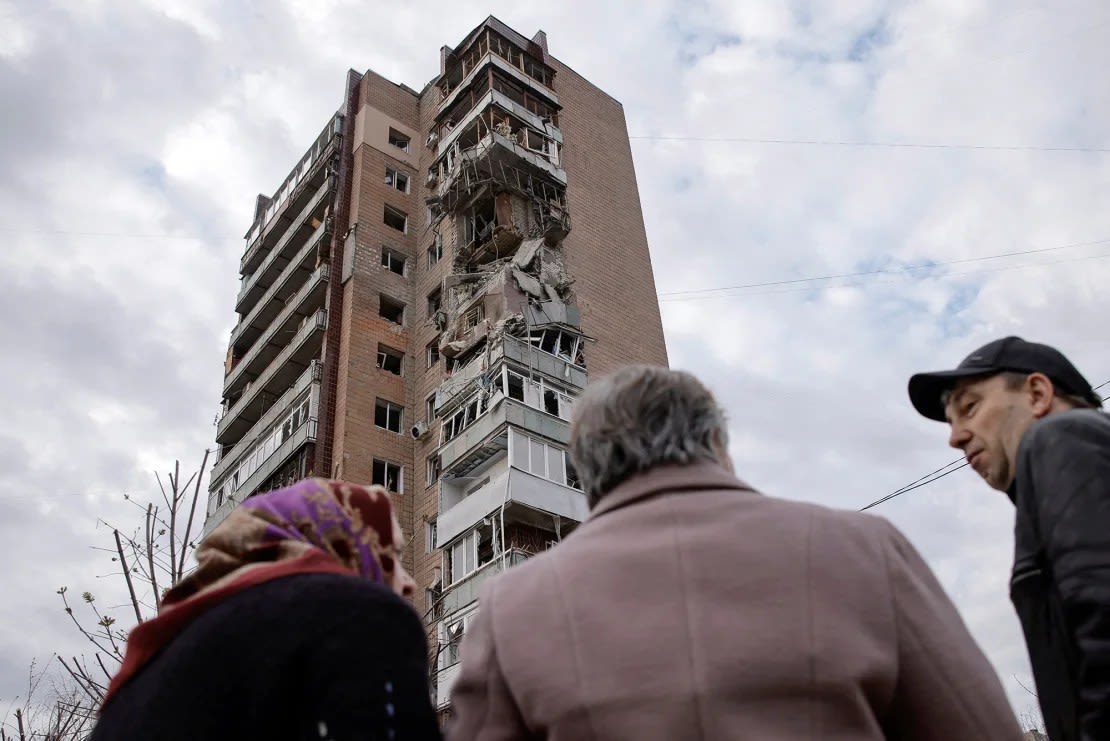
(1061, 579)
(314, 656)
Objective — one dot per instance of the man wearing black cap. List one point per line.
(1028, 423)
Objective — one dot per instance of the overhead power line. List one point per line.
(937, 474)
(908, 271)
(893, 271)
(872, 144)
(122, 235)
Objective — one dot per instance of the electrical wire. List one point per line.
(871, 144)
(926, 480)
(898, 271)
(911, 487)
(1021, 266)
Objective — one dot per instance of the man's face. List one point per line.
(987, 422)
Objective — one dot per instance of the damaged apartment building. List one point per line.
(423, 299)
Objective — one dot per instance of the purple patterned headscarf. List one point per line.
(351, 523)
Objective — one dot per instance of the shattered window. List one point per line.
(390, 360)
(393, 261)
(399, 140)
(396, 179)
(514, 385)
(391, 309)
(386, 474)
(472, 318)
(435, 252)
(396, 219)
(551, 402)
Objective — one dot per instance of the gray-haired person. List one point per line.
(689, 606)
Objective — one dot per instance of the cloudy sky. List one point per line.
(135, 135)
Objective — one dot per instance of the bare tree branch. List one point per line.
(192, 514)
(153, 576)
(127, 576)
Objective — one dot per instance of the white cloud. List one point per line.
(167, 118)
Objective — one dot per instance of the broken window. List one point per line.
(393, 261)
(396, 179)
(453, 640)
(396, 219)
(435, 302)
(386, 474)
(435, 252)
(429, 531)
(390, 360)
(471, 553)
(479, 223)
(391, 309)
(551, 402)
(465, 416)
(560, 343)
(399, 140)
(572, 476)
(432, 351)
(433, 470)
(472, 318)
(387, 415)
(514, 385)
(554, 400)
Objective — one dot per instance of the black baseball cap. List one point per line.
(1006, 354)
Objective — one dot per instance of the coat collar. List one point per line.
(666, 479)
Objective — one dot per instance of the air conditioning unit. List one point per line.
(419, 430)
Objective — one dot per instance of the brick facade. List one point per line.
(606, 254)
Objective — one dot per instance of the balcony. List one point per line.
(303, 435)
(298, 241)
(283, 216)
(495, 97)
(488, 435)
(308, 298)
(281, 372)
(505, 67)
(275, 298)
(503, 159)
(512, 487)
(532, 357)
(309, 381)
(462, 595)
(465, 593)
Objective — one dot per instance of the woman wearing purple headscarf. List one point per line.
(292, 626)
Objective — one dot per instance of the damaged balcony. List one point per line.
(260, 394)
(504, 99)
(312, 226)
(465, 593)
(275, 214)
(490, 49)
(529, 499)
(488, 435)
(308, 298)
(494, 226)
(491, 151)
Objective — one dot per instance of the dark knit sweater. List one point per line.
(313, 656)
